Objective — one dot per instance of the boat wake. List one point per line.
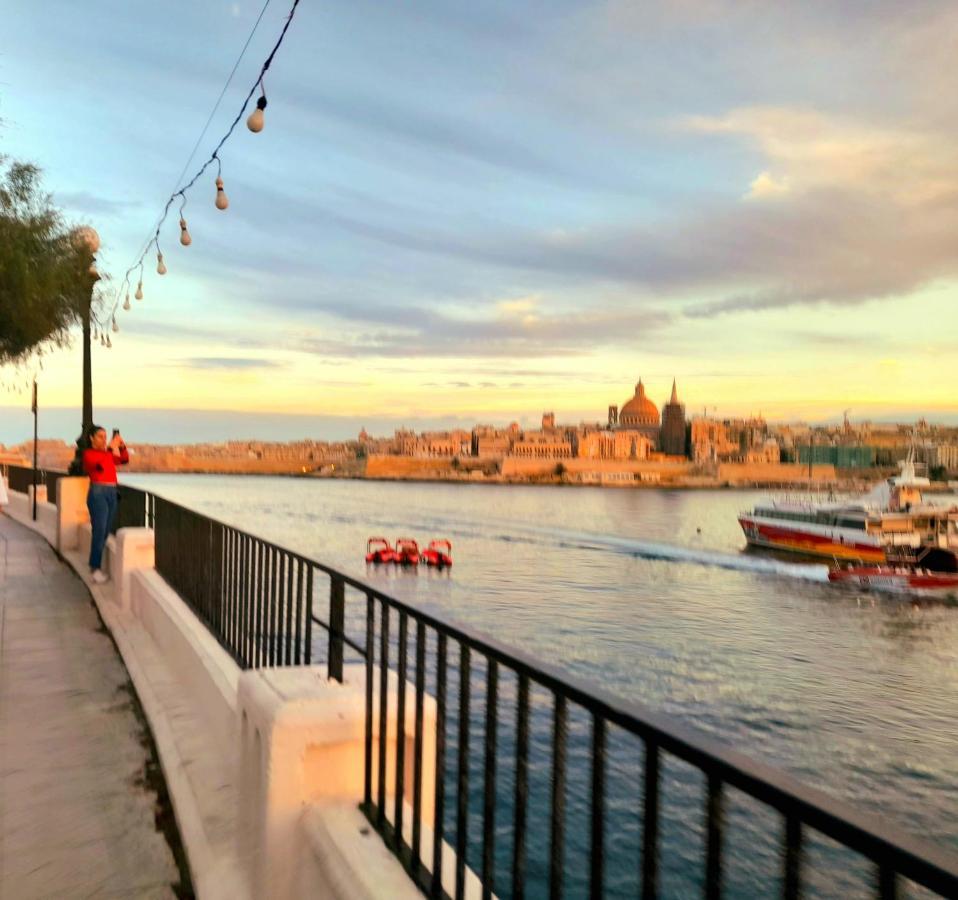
(694, 555)
(512, 532)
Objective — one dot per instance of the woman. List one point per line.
(99, 463)
(4, 499)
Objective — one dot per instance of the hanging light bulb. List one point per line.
(139, 290)
(115, 326)
(160, 265)
(256, 120)
(126, 303)
(221, 201)
(185, 238)
(109, 343)
(102, 339)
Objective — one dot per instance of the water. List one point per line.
(650, 594)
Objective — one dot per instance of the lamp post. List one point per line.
(88, 238)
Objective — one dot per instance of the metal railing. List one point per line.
(22, 477)
(135, 508)
(552, 745)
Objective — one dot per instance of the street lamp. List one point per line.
(87, 238)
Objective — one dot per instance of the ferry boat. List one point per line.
(930, 570)
(892, 515)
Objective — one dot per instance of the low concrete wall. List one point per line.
(777, 473)
(21, 509)
(513, 466)
(204, 667)
(303, 744)
(73, 512)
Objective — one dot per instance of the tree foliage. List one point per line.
(44, 272)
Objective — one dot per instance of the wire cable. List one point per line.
(214, 156)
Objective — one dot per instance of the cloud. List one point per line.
(813, 150)
(765, 186)
(429, 333)
(227, 363)
(84, 202)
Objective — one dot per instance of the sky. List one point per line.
(473, 212)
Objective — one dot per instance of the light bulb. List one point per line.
(221, 201)
(185, 238)
(109, 343)
(102, 340)
(139, 290)
(160, 265)
(115, 327)
(256, 120)
(126, 302)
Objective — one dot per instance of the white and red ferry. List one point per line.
(892, 515)
(931, 570)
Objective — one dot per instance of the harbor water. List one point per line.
(651, 595)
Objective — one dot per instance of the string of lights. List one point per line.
(255, 123)
(206, 126)
(102, 328)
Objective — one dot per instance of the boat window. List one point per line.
(857, 524)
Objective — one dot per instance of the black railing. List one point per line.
(255, 597)
(135, 508)
(554, 752)
(22, 477)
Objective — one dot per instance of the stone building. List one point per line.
(672, 440)
(640, 414)
(545, 444)
(613, 444)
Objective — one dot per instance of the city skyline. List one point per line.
(462, 215)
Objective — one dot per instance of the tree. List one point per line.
(44, 273)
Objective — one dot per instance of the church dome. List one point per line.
(639, 410)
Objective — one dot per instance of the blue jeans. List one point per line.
(101, 501)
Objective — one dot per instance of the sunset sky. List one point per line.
(465, 211)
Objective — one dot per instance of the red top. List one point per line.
(100, 465)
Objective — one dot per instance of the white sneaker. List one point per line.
(100, 577)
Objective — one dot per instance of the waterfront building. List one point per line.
(839, 457)
(672, 441)
(641, 414)
(613, 444)
(489, 442)
(938, 455)
(768, 452)
(544, 444)
(711, 442)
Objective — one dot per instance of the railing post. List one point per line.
(337, 624)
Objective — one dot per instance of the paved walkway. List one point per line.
(76, 818)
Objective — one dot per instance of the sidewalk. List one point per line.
(77, 818)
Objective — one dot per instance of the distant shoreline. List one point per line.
(840, 485)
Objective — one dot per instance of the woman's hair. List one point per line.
(92, 430)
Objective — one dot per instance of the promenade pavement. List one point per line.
(77, 818)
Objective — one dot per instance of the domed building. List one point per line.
(640, 414)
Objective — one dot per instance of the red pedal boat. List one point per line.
(438, 553)
(378, 550)
(407, 552)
